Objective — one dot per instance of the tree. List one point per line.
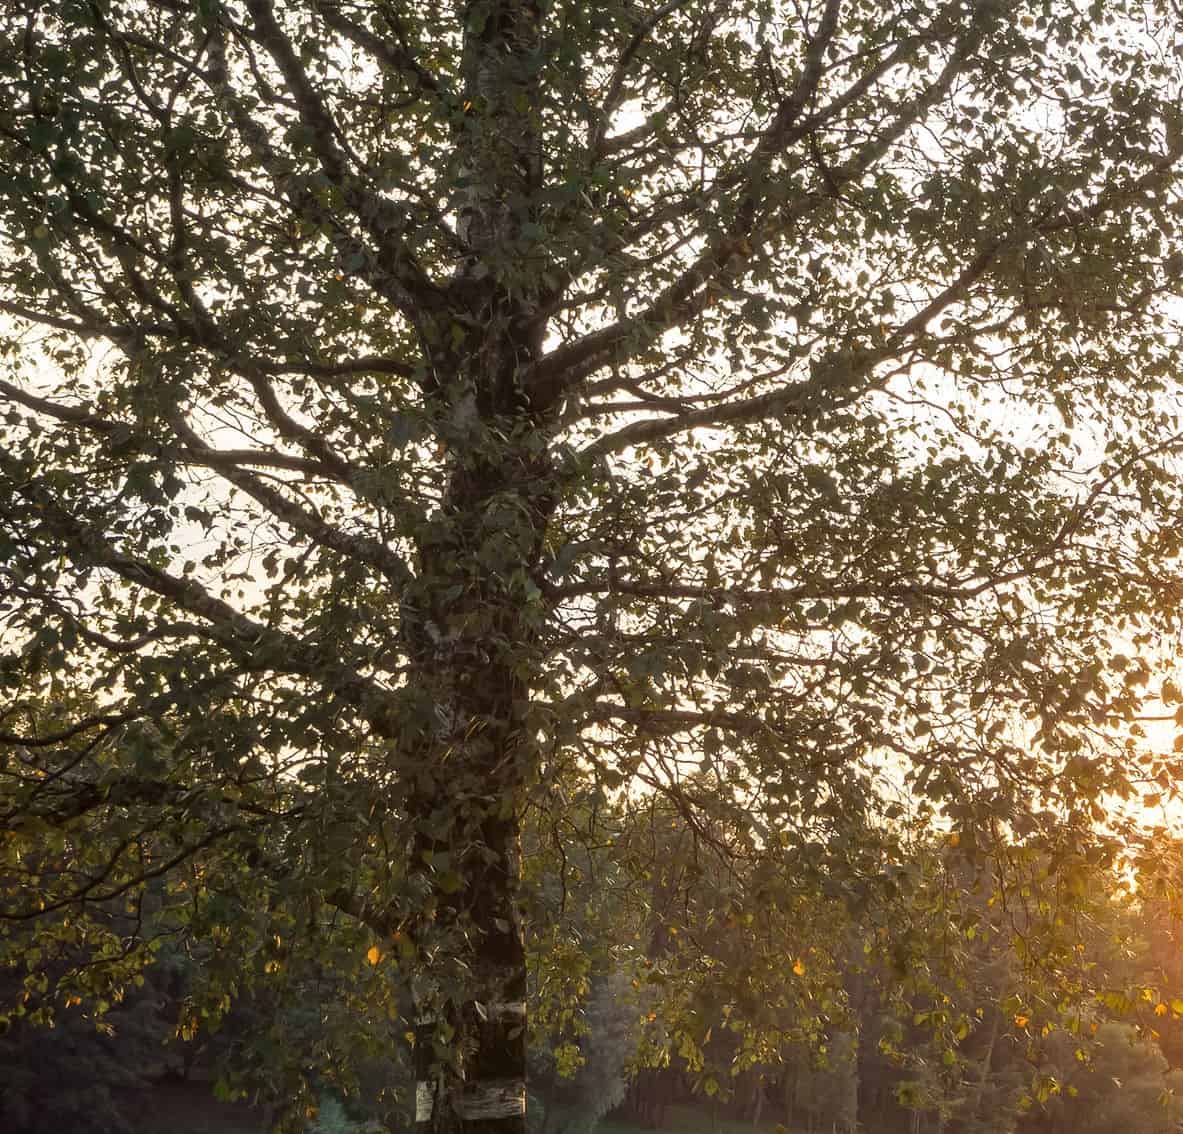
(1123, 1081)
(580, 1084)
(407, 404)
(77, 1077)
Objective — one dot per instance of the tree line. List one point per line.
(824, 1012)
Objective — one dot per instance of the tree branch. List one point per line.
(255, 644)
(202, 455)
(400, 59)
(391, 270)
(727, 254)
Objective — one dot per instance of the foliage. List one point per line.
(833, 1086)
(1117, 1082)
(577, 1085)
(75, 1076)
(945, 1024)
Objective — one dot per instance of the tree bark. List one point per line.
(471, 630)
(471, 626)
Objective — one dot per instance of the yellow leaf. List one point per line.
(1161, 1009)
(374, 955)
(799, 967)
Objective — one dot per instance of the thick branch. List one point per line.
(398, 59)
(126, 435)
(229, 464)
(362, 548)
(391, 270)
(728, 254)
(255, 644)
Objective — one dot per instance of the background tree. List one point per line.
(1116, 1081)
(416, 403)
(77, 1076)
(939, 1020)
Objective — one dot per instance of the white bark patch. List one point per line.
(500, 1010)
(493, 1098)
(424, 1101)
(464, 413)
(509, 1010)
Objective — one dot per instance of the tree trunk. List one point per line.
(471, 630)
(470, 1056)
(472, 625)
(466, 805)
(987, 1061)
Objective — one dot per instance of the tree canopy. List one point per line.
(422, 421)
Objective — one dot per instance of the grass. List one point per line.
(690, 1120)
(190, 1108)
